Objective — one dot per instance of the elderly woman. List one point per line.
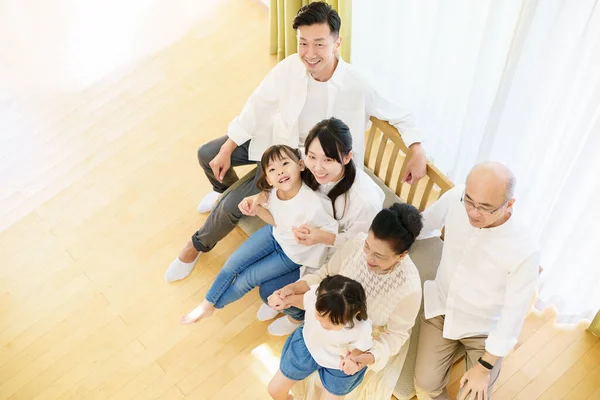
(379, 261)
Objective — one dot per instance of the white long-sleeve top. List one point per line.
(327, 346)
(307, 207)
(356, 209)
(486, 277)
(393, 299)
(270, 116)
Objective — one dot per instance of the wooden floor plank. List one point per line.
(574, 375)
(566, 358)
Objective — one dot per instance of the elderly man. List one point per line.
(485, 282)
(300, 91)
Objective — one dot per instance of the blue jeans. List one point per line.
(259, 259)
(267, 289)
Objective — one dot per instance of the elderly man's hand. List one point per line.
(476, 382)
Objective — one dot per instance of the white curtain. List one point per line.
(513, 81)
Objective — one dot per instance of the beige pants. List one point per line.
(435, 355)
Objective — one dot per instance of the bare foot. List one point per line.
(187, 319)
(293, 321)
(204, 310)
(189, 253)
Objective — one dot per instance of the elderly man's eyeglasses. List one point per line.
(470, 205)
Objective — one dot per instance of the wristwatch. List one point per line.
(485, 364)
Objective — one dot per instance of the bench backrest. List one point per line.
(386, 155)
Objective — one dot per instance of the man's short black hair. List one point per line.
(319, 12)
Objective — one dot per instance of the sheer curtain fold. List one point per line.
(516, 82)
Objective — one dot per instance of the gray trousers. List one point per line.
(434, 360)
(226, 214)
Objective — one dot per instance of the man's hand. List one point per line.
(475, 381)
(220, 164)
(416, 166)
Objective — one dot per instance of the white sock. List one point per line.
(282, 327)
(209, 202)
(266, 313)
(179, 270)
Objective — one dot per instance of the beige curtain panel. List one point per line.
(283, 38)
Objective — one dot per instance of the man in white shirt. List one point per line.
(485, 282)
(300, 91)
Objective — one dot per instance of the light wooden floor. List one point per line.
(99, 183)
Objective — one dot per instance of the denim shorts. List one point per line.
(297, 364)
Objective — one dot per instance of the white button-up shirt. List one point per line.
(486, 278)
(270, 116)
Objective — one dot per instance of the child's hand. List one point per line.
(361, 358)
(276, 302)
(348, 366)
(249, 205)
(307, 235)
(285, 292)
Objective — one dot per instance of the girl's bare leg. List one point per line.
(280, 386)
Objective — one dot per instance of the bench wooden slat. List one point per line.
(391, 165)
(426, 194)
(412, 192)
(369, 144)
(382, 145)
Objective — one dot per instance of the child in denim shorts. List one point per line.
(335, 324)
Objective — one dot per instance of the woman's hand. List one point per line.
(249, 205)
(362, 358)
(308, 235)
(287, 290)
(276, 302)
(355, 360)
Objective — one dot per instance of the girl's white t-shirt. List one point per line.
(325, 346)
(307, 207)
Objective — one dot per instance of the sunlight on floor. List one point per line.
(76, 43)
(269, 360)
